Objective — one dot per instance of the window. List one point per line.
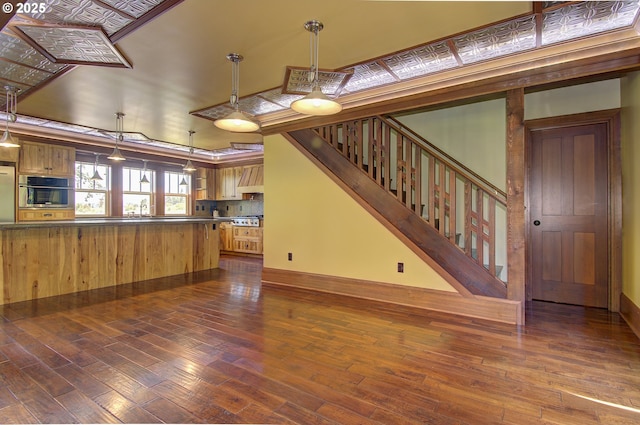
(177, 187)
(92, 195)
(137, 197)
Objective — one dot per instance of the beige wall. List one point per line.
(631, 187)
(326, 230)
(328, 233)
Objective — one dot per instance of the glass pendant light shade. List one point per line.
(116, 155)
(7, 141)
(144, 178)
(188, 167)
(236, 121)
(96, 175)
(316, 103)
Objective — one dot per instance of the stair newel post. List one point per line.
(491, 229)
(442, 196)
(400, 166)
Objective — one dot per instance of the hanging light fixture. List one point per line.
(236, 121)
(144, 178)
(116, 155)
(183, 182)
(188, 167)
(96, 175)
(7, 141)
(316, 102)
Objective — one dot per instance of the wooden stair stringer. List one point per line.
(460, 271)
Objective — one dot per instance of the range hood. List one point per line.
(252, 179)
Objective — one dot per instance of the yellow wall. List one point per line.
(631, 187)
(326, 230)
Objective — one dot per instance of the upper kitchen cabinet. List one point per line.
(45, 159)
(9, 154)
(227, 183)
(205, 184)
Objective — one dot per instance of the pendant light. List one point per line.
(236, 121)
(144, 178)
(316, 102)
(7, 141)
(96, 175)
(188, 167)
(183, 182)
(116, 155)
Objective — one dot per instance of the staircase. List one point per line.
(439, 205)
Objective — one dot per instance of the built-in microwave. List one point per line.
(44, 192)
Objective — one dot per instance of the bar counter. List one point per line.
(43, 259)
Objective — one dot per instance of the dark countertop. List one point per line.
(112, 221)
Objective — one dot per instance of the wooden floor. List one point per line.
(219, 348)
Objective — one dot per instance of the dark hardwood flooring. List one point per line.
(216, 347)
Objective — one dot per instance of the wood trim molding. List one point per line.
(488, 308)
(630, 313)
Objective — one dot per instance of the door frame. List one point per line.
(611, 118)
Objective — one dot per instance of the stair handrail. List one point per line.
(446, 159)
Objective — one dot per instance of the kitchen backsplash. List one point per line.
(254, 207)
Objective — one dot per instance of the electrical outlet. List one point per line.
(290, 256)
(400, 267)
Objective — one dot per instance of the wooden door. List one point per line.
(569, 215)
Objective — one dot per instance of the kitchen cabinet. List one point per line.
(205, 184)
(247, 239)
(226, 183)
(44, 214)
(9, 154)
(44, 159)
(226, 236)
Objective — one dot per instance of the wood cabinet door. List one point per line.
(61, 160)
(568, 199)
(33, 158)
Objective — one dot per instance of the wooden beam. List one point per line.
(516, 238)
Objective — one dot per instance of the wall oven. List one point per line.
(44, 192)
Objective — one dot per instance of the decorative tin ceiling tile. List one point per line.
(367, 76)
(83, 12)
(72, 45)
(256, 105)
(498, 40)
(135, 8)
(15, 49)
(422, 61)
(282, 99)
(587, 18)
(214, 112)
(15, 73)
(296, 81)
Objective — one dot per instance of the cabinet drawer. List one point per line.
(249, 246)
(247, 232)
(46, 214)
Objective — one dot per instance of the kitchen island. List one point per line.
(43, 259)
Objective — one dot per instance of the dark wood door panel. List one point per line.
(569, 212)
